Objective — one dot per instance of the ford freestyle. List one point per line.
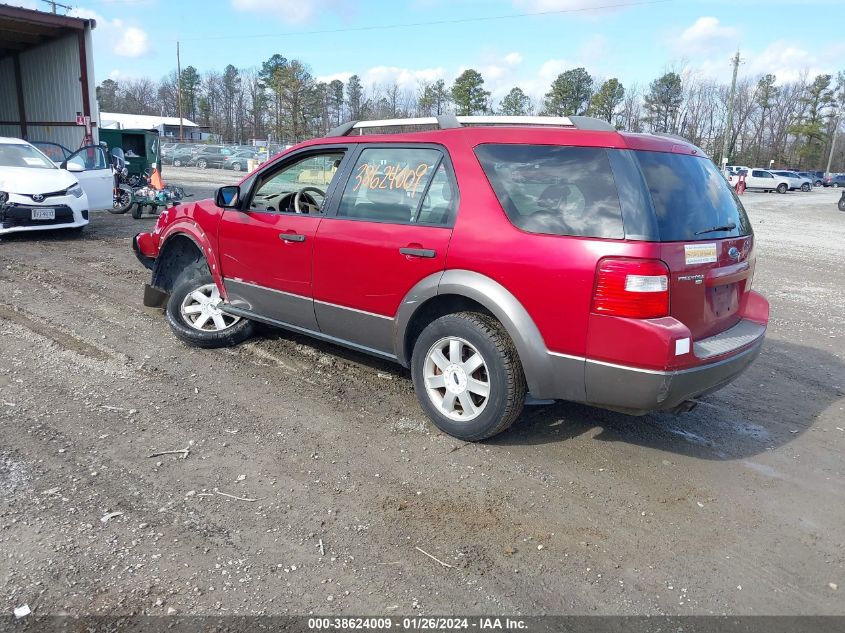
(496, 257)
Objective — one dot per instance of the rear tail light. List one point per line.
(636, 288)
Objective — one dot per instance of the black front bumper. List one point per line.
(148, 262)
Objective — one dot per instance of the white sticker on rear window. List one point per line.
(700, 253)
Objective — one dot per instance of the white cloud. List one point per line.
(342, 76)
(706, 35)
(513, 59)
(593, 48)
(785, 60)
(293, 11)
(134, 43)
(123, 40)
(24, 4)
(406, 78)
(788, 61)
(576, 6)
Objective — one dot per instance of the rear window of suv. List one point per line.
(555, 190)
(691, 198)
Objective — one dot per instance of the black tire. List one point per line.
(236, 166)
(137, 211)
(841, 204)
(202, 163)
(504, 373)
(782, 188)
(818, 183)
(193, 277)
(121, 205)
(177, 162)
(836, 185)
(805, 186)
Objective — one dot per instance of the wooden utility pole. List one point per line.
(836, 122)
(735, 60)
(179, 91)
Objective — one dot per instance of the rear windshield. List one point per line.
(691, 198)
(555, 190)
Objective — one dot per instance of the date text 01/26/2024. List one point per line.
(417, 624)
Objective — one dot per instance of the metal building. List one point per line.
(47, 77)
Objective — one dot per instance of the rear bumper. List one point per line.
(638, 391)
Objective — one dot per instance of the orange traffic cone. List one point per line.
(155, 180)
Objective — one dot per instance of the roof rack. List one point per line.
(450, 121)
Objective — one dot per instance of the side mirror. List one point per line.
(73, 167)
(228, 197)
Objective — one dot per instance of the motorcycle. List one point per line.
(842, 202)
(121, 191)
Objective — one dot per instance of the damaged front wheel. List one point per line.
(196, 315)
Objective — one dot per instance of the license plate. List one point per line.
(43, 214)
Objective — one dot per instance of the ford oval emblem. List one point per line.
(733, 252)
(38, 197)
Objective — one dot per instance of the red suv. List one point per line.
(494, 256)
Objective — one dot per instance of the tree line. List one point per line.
(791, 123)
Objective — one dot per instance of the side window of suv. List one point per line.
(555, 190)
(309, 177)
(392, 185)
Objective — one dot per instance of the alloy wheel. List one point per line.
(456, 379)
(200, 309)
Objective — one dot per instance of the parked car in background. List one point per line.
(733, 170)
(836, 180)
(813, 177)
(36, 194)
(239, 160)
(764, 180)
(796, 181)
(492, 261)
(210, 156)
(178, 158)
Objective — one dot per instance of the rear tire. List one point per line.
(782, 188)
(841, 204)
(177, 163)
(184, 313)
(202, 163)
(122, 204)
(467, 376)
(805, 186)
(236, 166)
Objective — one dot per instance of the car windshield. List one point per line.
(19, 155)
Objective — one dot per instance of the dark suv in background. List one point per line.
(209, 156)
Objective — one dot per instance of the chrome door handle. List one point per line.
(418, 252)
(292, 237)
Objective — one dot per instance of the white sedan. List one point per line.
(35, 194)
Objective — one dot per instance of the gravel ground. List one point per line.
(312, 476)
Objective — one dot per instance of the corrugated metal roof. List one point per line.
(116, 120)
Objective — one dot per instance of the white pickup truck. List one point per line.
(763, 180)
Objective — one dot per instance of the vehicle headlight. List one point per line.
(76, 191)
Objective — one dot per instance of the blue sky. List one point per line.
(636, 40)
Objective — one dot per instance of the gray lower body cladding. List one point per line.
(639, 391)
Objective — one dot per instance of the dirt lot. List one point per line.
(737, 507)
